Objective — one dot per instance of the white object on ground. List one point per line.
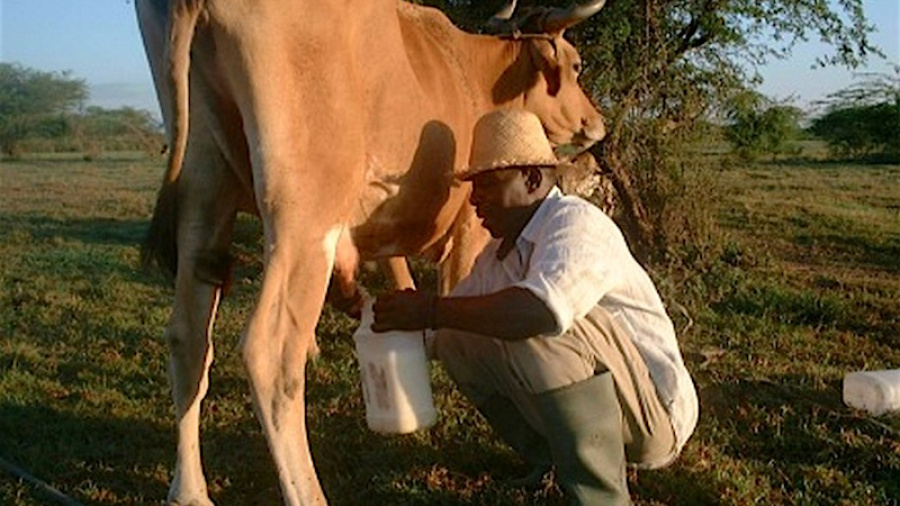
(874, 391)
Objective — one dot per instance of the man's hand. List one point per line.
(406, 310)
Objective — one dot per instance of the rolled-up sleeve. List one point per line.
(570, 267)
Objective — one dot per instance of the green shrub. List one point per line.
(862, 130)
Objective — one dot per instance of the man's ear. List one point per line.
(533, 178)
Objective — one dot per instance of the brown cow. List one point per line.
(341, 129)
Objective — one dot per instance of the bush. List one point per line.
(861, 130)
(863, 120)
(43, 112)
(758, 127)
(35, 104)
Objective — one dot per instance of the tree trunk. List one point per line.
(632, 215)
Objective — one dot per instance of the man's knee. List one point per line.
(469, 360)
(457, 349)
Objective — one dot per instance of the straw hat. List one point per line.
(508, 138)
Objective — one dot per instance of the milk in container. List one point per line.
(395, 381)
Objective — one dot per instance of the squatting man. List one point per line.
(558, 336)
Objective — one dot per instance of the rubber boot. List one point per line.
(584, 429)
(505, 419)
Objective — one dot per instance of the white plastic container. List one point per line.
(395, 381)
(874, 391)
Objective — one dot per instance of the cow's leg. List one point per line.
(307, 157)
(190, 355)
(302, 212)
(277, 343)
(206, 211)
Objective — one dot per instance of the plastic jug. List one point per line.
(874, 391)
(395, 381)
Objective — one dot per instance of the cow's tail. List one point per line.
(160, 245)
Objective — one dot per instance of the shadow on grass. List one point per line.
(128, 460)
(105, 231)
(86, 456)
(818, 308)
(67, 159)
(676, 486)
(808, 431)
(356, 466)
(833, 161)
(864, 251)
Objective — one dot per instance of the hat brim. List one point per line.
(470, 172)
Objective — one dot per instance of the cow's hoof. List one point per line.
(176, 499)
(195, 501)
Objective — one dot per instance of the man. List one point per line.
(558, 336)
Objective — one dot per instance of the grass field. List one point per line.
(807, 288)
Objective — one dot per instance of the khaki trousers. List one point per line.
(482, 367)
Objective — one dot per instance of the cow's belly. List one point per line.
(406, 213)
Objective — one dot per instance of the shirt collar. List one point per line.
(532, 228)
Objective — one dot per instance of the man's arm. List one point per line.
(510, 314)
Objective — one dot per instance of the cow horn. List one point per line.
(501, 22)
(505, 14)
(560, 19)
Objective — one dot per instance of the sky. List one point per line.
(99, 41)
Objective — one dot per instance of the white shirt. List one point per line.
(574, 257)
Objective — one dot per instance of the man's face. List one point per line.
(499, 197)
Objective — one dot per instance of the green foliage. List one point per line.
(44, 112)
(98, 129)
(662, 68)
(95, 130)
(35, 103)
(99, 122)
(864, 119)
(758, 127)
(861, 131)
